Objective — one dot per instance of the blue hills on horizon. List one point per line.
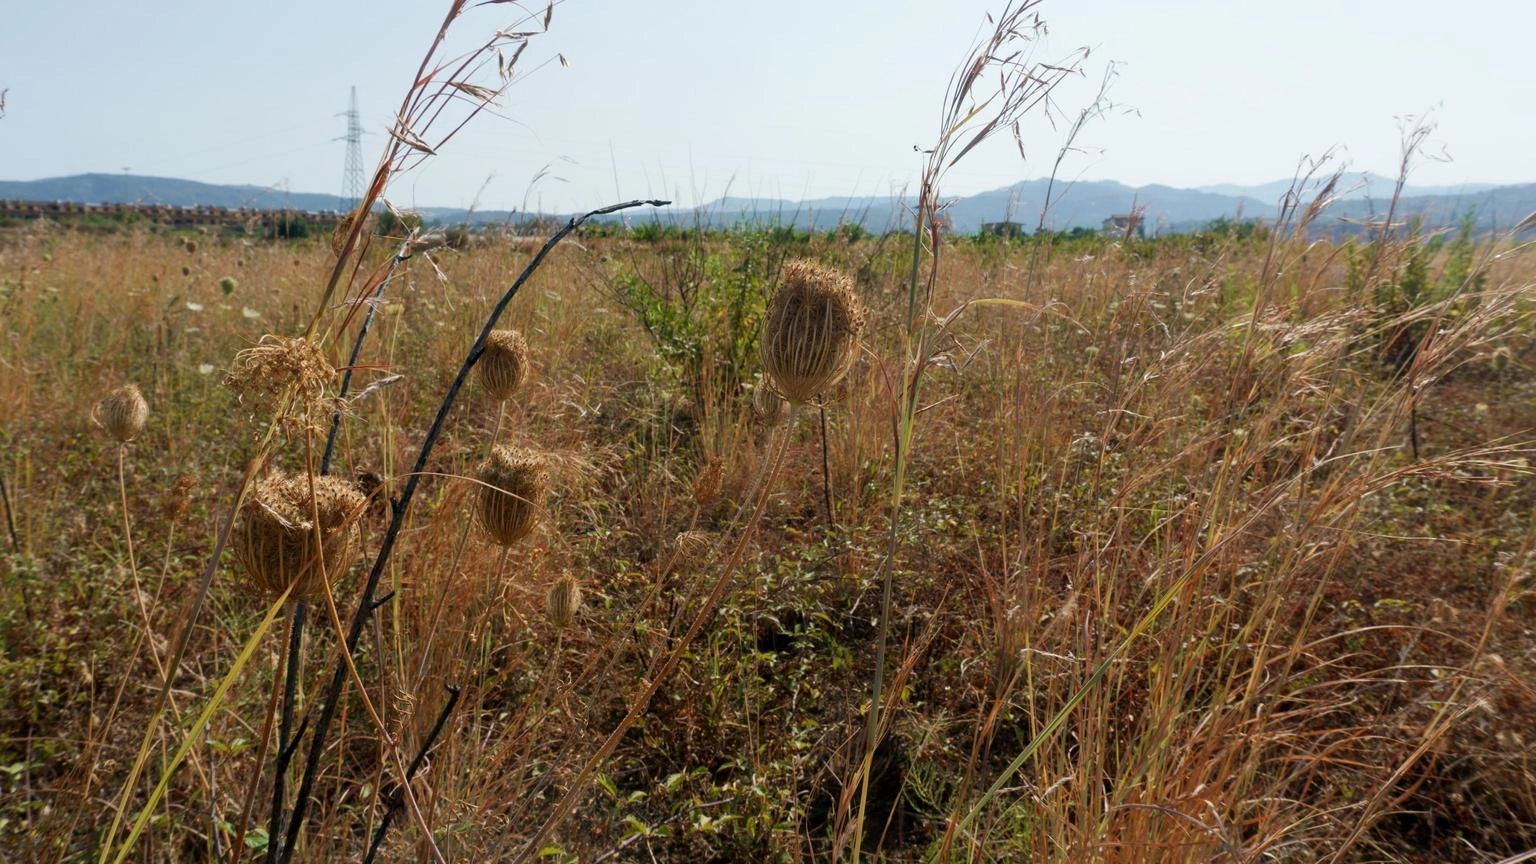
(1080, 204)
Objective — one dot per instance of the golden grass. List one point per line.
(1196, 441)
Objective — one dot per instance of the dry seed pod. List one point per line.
(563, 601)
(503, 364)
(512, 484)
(811, 330)
(275, 541)
(692, 549)
(767, 406)
(122, 413)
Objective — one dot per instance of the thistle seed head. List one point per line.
(276, 539)
(503, 364)
(122, 413)
(811, 330)
(511, 491)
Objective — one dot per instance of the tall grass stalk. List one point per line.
(1023, 86)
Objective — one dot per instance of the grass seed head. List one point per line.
(563, 601)
(503, 365)
(122, 413)
(276, 539)
(811, 330)
(511, 490)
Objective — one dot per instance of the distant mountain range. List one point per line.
(134, 189)
(1083, 204)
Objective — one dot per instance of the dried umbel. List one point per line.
(275, 364)
(767, 406)
(341, 232)
(177, 500)
(122, 413)
(277, 541)
(692, 549)
(563, 601)
(503, 364)
(811, 330)
(706, 484)
(511, 490)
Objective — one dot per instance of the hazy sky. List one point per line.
(793, 98)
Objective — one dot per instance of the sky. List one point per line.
(796, 99)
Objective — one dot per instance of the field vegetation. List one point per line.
(768, 546)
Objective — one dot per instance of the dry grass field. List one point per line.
(1195, 560)
(765, 546)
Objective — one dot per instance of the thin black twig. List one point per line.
(396, 801)
(365, 607)
(357, 349)
(285, 743)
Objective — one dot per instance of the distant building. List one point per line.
(1124, 225)
(1003, 229)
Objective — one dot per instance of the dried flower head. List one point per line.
(563, 601)
(811, 330)
(340, 233)
(122, 413)
(177, 500)
(691, 549)
(275, 364)
(276, 541)
(767, 406)
(511, 491)
(503, 364)
(706, 484)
